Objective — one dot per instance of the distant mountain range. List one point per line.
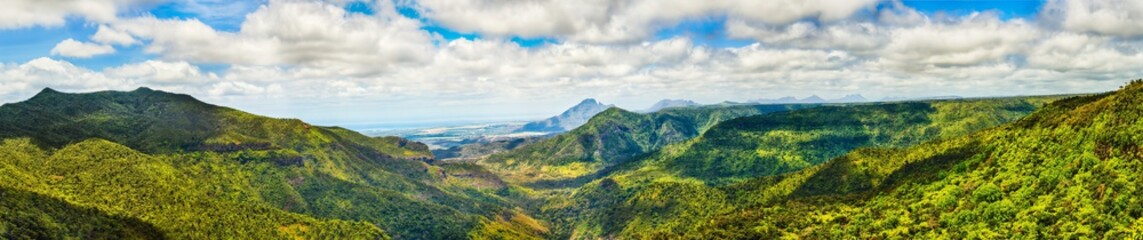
(810, 99)
(670, 103)
(895, 99)
(570, 119)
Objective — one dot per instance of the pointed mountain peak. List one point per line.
(812, 99)
(48, 91)
(571, 118)
(45, 93)
(589, 101)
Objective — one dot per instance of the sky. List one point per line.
(409, 63)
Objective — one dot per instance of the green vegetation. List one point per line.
(194, 170)
(1070, 170)
(778, 143)
(119, 181)
(27, 215)
(151, 165)
(484, 147)
(670, 191)
(611, 138)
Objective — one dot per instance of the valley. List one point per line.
(152, 164)
(578, 120)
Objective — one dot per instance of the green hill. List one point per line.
(27, 215)
(1071, 170)
(148, 164)
(1068, 170)
(778, 143)
(197, 170)
(669, 190)
(611, 138)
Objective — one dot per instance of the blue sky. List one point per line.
(405, 62)
(20, 45)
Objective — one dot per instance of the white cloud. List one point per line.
(1082, 52)
(107, 35)
(314, 60)
(858, 37)
(618, 21)
(1111, 17)
(72, 48)
(27, 13)
(293, 33)
(976, 39)
(23, 80)
(784, 12)
(160, 72)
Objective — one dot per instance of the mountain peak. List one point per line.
(670, 103)
(851, 98)
(47, 91)
(571, 118)
(589, 101)
(812, 99)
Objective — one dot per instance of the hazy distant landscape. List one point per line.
(546, 119)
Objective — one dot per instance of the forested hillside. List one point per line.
(150, 165)
(195, 170)
(611, 138)
(668, 191)
(1071, 170)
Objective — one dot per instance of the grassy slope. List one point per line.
(236, 157)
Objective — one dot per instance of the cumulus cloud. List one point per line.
(618, 21)
(976, 39)
(1111, 17)
(160, 72)
(22, 80)
(858, 37)
(107, 35)
(316, 55)
(72, 48)
(292, 33)
(27, 13)
(1082, 52)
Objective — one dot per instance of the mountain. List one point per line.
(149, 164)
(782, 100)
(1069, 170)
(570, 119)
(195, 170)
(812, 99)
(669, 103)
(609, 139)
(852, 98)
(669, 190)
(898, 99)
